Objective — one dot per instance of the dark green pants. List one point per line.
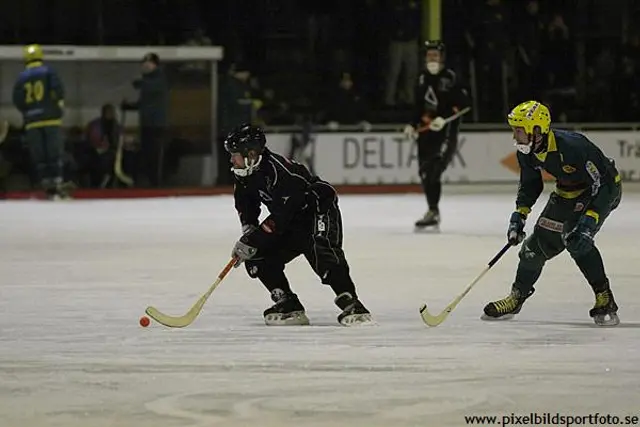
(46, 149)
(558, 218)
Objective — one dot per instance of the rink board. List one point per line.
(481, 157)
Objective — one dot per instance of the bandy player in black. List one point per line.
(441, 102)
(304, 219)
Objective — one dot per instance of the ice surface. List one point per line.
(75, 277)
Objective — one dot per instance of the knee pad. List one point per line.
(576, 255)
(253, 268)
(535, 252)
(260, 268)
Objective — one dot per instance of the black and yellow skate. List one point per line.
(506, 308)
(605, 310)
(430, 220)
(287, 310)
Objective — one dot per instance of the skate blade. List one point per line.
(358, 320)
(607, 320)
(498, 319)
(427, 229)
(297, 318)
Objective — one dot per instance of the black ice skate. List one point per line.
(506, 308)
(604, 307)
(287, 310)
(430, 220)
(353, 311)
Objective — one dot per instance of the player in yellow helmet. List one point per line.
(588, 188)
(39, 95)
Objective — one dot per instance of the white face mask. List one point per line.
(523, 148)
(433, 67)
(249, 167)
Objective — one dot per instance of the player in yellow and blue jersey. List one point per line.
(39, 95)
(588, 189)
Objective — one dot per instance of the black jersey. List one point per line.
(287, 188)
(438, 95)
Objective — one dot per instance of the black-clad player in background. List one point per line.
(439, 97)
(304, 219)
(39, 95)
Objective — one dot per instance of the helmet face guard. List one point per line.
(523, 140)
(248, 142)
(250, 164)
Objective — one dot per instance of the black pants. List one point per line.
(317, 236)
(558, 218)
(46, 150)
(431, 165)
(151, 153)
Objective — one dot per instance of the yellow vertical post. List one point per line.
(431, 19)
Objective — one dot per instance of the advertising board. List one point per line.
(481, 157)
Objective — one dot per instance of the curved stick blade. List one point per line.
(170, 321)
(432, 320)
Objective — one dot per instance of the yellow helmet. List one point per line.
(530, 114)
(32, 52)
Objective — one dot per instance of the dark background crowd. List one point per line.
(354, 62)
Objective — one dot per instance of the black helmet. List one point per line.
(434, 45)
(245, 138)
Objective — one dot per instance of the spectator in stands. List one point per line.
(102, 135)
(626, 92)
(490, 39)
(345, 106)
(274, 111)
(559, 54)
(631, 49)
(197, 38)
(529, 38)
(404, 32)
(237, 105)
(237, 102)
(153, 106)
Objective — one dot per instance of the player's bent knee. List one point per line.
(531, 259)
(534, 252)
(253, 268)
(583, 251)
(263, 268)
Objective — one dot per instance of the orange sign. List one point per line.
(511, 162)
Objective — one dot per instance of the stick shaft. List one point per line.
(457, 115)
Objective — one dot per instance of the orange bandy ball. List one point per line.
(144, 321)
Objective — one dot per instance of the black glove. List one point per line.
(580, 240)
(515, 233)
